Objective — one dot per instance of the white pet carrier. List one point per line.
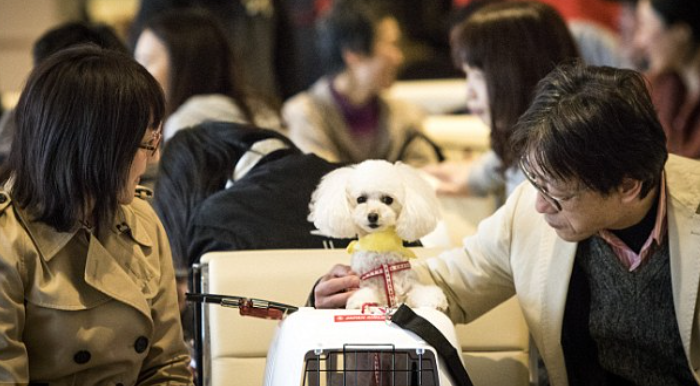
(350, 348)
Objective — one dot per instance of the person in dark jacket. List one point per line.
(228, 186)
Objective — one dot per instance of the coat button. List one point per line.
(141, 344)
(3, 198)
(119, 384)
(82, 357)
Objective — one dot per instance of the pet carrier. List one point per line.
(351, 348)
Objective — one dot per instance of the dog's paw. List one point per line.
(427, 296)
(361, 297)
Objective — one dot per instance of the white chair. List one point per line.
(435, 96)
(458, 133)
(494, 347)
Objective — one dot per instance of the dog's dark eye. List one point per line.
(387, 200)
(361, 199)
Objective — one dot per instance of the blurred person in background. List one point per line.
(261, 36)
(189, 54)
(344, 117)
(599, 27)
(668, 33)
(505, 48)
(50, 42)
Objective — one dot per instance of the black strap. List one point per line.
(417, 135)
(405, 318)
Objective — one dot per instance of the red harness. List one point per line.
(386, 271)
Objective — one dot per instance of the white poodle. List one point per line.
(382, 204)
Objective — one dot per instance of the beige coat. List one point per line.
(515, 252)
(316, 125)
(76, 309)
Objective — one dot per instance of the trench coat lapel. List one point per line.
(120, 269)
(106, 271)
(558, 256)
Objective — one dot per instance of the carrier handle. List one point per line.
(247, 306)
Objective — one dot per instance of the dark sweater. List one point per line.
(620, 327)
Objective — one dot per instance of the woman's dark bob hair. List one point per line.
(80, 120)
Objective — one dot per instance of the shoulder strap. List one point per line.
(417, 136)
(255, 153)
(405, 318)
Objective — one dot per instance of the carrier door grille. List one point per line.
(370, 365)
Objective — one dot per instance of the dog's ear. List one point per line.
(420, 213)
(330, 208)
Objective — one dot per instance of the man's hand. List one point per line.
(335, 287)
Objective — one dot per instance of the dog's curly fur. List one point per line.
(378, 196)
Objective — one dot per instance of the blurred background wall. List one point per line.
(23, 21)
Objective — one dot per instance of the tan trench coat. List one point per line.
(76, 309)
(516, 253)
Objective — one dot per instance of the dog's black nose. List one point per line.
(372, 217)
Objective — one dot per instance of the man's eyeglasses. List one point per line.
(153, 143)
(533, 178)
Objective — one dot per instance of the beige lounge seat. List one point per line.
(494, 347)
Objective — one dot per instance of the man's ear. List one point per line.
(351, 58)
(629, 189)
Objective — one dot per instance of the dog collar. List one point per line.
(381, 241)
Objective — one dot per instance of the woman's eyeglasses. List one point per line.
(533, 178)
(153, 143)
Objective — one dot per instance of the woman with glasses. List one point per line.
(87, 294)
(504, 49)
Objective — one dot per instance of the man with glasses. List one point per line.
(601, 247)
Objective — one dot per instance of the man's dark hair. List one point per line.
(349, 25)
(80, 120)
(70, 34)
(595, 126)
